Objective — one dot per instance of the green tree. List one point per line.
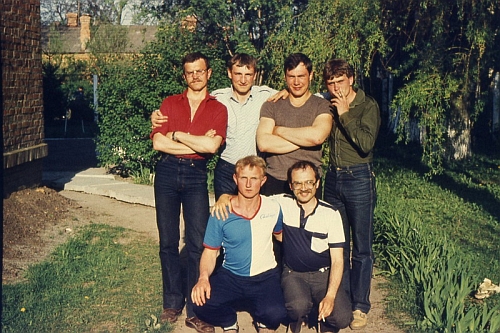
(444, 52)
(324, 29)
(236, 26)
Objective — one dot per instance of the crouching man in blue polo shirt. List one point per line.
(249, 272)
(313, 240)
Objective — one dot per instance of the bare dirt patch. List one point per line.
(34, 222)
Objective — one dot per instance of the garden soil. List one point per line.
(36, 220)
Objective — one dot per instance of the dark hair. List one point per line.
(336, 68)
(294, 59)
(302, 165)
(252, 161)
(241, 60)
(192, 57)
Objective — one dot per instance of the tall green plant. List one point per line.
(351, 30)
(426, 97)
(436, 272)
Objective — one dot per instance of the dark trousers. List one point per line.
(261, 294)
(352, 191)
(304, 291)
(223, 179)
(180, 182)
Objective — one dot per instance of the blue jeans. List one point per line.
(260, 294)
(180, 182)
(352, 191)
(223, 179)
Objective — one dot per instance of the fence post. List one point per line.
(95, 98)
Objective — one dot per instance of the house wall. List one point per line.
(22, 95)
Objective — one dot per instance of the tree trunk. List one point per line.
(459, 130)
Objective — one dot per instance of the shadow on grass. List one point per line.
(477, 173)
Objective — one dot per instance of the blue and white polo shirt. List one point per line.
(246, 243)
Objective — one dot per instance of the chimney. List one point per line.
(72, 19)
(84, 31)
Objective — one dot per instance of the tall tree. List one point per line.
(445, 52)
(241, 25)
(348, 29)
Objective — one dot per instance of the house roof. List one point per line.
(66, 40)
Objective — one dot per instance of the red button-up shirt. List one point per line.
(211, 114)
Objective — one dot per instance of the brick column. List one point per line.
(22, 94)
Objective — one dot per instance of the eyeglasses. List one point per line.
(197, 72)
(308, 184)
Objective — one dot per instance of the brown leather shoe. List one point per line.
(199, 325)
(170, 315)
(360, 320)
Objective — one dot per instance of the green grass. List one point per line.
(105, 279)
(455, 214)
(467, 211)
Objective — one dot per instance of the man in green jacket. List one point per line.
(350, 181)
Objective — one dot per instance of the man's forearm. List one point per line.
(363, 133)
(336, 271)
(307, 136)
(199, 143)
(164, 144)
(207, 263)
(302, 136)
(270, 143)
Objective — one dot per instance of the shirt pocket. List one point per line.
(319, 242)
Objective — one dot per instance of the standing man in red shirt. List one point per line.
(195, 130)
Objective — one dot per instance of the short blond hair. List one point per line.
(251, 161)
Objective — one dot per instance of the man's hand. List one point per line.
(201, 292)
(325, 308)
(340, 101)
(283, 94)
(222, 207)
(211, 133)
(157, 119)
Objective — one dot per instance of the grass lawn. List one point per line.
(438, 238)
(103, 280)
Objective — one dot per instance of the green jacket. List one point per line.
(354, 133)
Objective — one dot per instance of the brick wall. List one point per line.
(22, 94)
